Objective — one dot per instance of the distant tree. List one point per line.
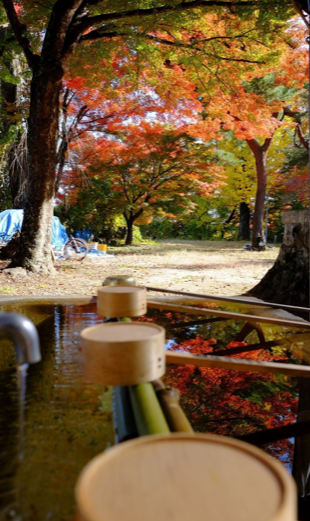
(150, 166)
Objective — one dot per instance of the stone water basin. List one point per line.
(68, 421)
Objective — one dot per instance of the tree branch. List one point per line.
(296, 116)
(62, 16)
(98, 34)
(19, 31)
(300, 12)
(302, 139)
(183, 6)
(254, 145)
(267, 143)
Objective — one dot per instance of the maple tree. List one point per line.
(259, 133)
(87, 109)
(201, 35)
(241, 174)
(149, 166)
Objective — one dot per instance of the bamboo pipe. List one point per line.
(222, 362)
(174, 414)
(244, 317)
(147, 412)
(229, 299)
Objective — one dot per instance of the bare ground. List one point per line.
(216, 268)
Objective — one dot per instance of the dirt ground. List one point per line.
(215, 268)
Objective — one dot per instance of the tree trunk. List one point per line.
(34, 252)
(129, 233)
(260, 153)
(130, 218)
(244, 228)
(258, 220)
(228, 221)
(287, 282)
(62, 33)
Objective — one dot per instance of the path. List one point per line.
(221, 268)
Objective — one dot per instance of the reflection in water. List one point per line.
(21, 383)
(68, 421)
(236, 403)
(232, 403)
(64, 424)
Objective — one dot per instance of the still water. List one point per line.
(68, 421)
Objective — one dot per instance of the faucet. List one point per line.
(24, 335)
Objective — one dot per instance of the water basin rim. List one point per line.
(48, 299)
(86, 299)
(62, 299)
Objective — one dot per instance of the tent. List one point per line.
(12, 220)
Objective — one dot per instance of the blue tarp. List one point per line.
(12, 220)
(85, 234)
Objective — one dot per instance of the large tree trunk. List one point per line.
(244, 228)
(260, 152)
(62, 34)
(287, 282)
(34, 252)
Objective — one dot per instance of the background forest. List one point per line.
(188, 122)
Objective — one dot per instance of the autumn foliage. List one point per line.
(231, 403)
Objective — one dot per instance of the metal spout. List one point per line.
(24, 335)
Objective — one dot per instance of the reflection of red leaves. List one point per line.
(262, 355)
(232, 403)
(236, 344)
(196, 346)
(145, 318)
